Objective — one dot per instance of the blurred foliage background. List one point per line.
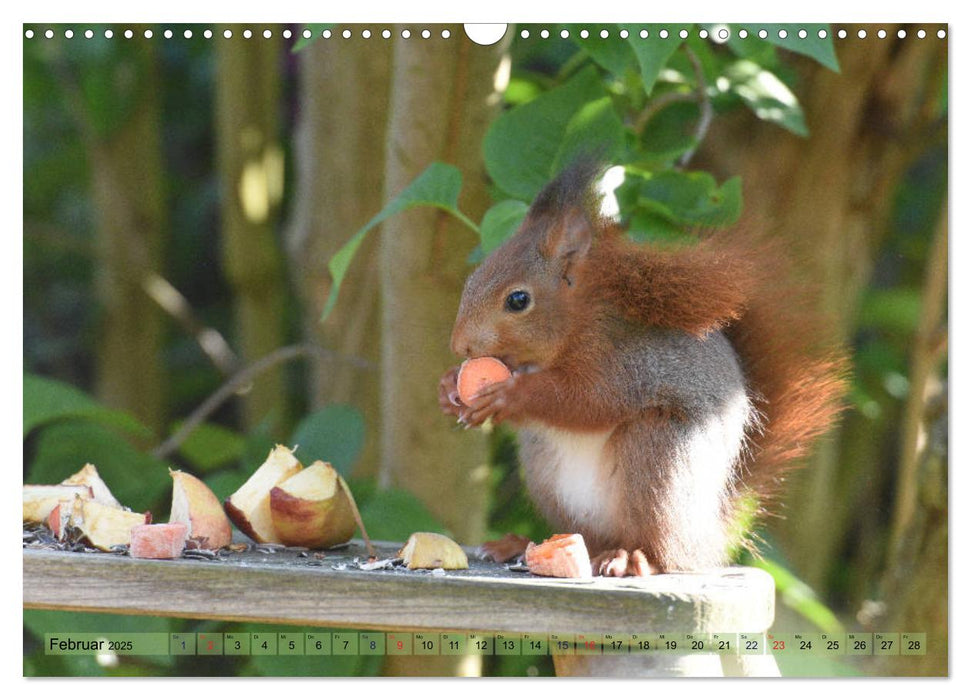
(191, 205)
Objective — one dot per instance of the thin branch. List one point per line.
(927, 348)
(211, 341)
(239, 381)
(704, 102)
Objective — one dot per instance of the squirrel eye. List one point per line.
(517, 300)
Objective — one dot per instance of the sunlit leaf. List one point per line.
(767, 96)
(521, 146)
(438, 186)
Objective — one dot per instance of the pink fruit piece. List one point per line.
(561, 556)
(478, 373)
(161, 541)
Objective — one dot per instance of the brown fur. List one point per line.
(746, 285)
(706, 364)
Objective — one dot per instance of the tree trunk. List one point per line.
(251, 171)
(831, 196)
(339, 150)
(127, 191)
(443, 98)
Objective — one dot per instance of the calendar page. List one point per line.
(394, 348)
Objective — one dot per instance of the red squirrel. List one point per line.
(653, 388)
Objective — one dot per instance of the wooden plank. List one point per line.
(286, 588)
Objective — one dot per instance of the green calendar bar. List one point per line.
(91, 644)
(209, 644)
(317, 644)
(236, 644)
(297, 643)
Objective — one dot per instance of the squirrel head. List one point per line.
(522, 303)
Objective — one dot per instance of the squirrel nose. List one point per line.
(460, 343)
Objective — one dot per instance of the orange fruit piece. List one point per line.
(478, 373)
(561, 556)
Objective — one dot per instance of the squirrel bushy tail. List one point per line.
(743, 285)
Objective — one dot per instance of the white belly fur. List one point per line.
(579, 474)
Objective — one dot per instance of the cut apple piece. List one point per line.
(313, 508)
(249, 507)
(196, 506)
(561, 556)
(161, 541)
(105, 526)
(88, 476)
(429, 550)
(40, 500)
(60, 518)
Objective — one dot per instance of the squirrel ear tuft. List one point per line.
(568, 236)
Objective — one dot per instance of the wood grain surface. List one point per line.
(291, 587)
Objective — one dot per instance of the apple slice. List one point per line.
(40, 500)
(429, 550)
(88, 476)
(561, 556)
(196, 506)
(249, 507)
(60, 518)
(105, 526)
(312, 508)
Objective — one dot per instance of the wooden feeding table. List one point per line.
(332, 590)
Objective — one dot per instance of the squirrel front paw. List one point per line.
(507, 548)
(448, 394)
(620, 562)
(499, 401)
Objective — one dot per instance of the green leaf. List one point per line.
(501, 222)
(767, 96)
(798, 596)
(305, 41)
(611, 53)
(821, 50)
(333, 434)
(211, 446)
(438, 186)
(48, 400)
(521, 146)
(595, 126)
(394, 514)
(653, 52)
(138, 480)
(691, 199)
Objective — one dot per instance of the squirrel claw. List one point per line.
(620, 562)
